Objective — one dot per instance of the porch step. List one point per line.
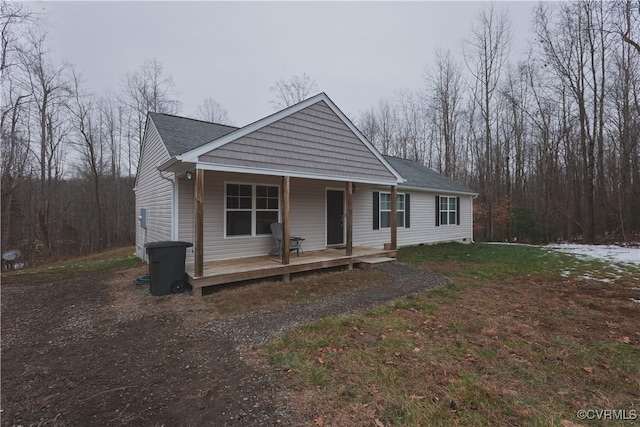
(370, 262)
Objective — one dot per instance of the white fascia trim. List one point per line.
(293, 174)
(192, 156)
(166, 165)
(437, 191)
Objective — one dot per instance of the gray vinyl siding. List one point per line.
(312, 141)
(152, 192)
(422, 229)
(307, 210)
(186, 203)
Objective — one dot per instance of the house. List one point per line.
(308, 167)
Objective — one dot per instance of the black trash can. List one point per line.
(166, 267)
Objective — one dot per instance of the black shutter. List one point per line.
(376, 210)
(457, 210)
(407, 210)
(437, 211)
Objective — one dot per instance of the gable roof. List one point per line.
(192, 155)
(420, 176)
(187, 138)
(182, 134)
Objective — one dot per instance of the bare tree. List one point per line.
(624, 117)
(14, 140)
(444, 87)
(292, 91)
(367, 123)
(212, 111)
(574, 45)
(412, 126)
(49, 88)
(14, 18)
(485, 55)
(631, 22)
(14, 110)
(147, 89)
(89, 144)
(388, 122)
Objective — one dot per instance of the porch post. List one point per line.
(286, 232)
(199, 223)
(349, 222)
(394, 215)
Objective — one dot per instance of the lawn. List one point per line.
(107, 261)
(521, 336)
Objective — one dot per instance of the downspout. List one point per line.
(475, 196)
(174, 224)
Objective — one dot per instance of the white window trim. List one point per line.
(404, 215)
(448, 211)
(253, 209)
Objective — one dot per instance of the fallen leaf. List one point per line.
(320, 360)
(383, 337)
(318, 422)
(625, 340)
(379, 423)
(588, 369)
(416, 349)
(562, 393)
(416, 397)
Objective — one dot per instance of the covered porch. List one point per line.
(332, 253)
(259, 267)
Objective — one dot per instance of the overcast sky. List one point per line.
(358, 52)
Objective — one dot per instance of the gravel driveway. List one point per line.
(70, 357)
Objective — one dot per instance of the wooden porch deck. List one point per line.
(240, 269)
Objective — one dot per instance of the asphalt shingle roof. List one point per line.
(420, 176)
(181, 134)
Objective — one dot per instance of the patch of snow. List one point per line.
(635, 300)
(612, 253)
(603, 279)
(635, 289)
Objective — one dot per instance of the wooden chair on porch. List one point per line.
(295, 243)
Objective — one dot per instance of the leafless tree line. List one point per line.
(551, 142)
(69, 156)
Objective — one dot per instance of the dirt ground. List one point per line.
(96, 350)
(73, 355)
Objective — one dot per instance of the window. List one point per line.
(448, 210)
(385, 210)
(250, 209)
(267, 208)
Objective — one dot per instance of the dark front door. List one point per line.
(335, 217)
